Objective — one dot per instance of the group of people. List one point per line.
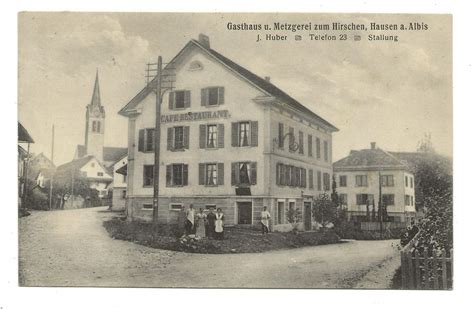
(211, 225)
(202, 225)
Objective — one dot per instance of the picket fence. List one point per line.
(425, 272)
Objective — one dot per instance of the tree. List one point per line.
(66, 183)
(324, 210)
(294, 217)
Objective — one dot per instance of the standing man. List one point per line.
(265, 220)
(210, 223)
(189, 225)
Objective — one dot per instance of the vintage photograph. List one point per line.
(235, 150)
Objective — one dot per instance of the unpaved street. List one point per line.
(71, 248)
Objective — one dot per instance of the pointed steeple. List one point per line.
(96, 94)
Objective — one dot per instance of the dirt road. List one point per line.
(71, 248)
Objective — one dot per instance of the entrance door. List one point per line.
(244, 210)
(307, 216)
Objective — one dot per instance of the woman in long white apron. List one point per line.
(219, 224)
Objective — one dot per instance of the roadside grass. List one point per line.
(235, 240)
(396, 283)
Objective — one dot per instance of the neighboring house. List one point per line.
(41, 170)
(119, 184)
(229, 139)
(23, 161)
(89, 167)
(358, 184)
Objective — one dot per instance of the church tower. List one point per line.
(95, 123)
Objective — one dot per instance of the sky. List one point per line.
(385, 92)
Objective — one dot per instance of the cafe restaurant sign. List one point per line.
(195, 116)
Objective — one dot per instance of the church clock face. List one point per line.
(96, 113)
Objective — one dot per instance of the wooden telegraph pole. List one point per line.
(52, 174)
(156, 170)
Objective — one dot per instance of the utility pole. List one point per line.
(157, 134)
(380, 203)
(52, 174)
(72, 187)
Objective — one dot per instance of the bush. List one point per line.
(36, 199)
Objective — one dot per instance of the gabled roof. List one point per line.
(23, 135)
(42, 161)
(369, 159)
(111, 154)
(75, 164)
(259, 82)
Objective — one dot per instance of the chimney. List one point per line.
(373, 145)
(267, 78)
(204, 40)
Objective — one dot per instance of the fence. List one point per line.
(420, 271)
(375, 226)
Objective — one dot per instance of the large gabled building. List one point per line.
(229, 139)
(364, 173)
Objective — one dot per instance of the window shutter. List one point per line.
(141, 140)
(235, 174)
(204, 96)
(170, 138)
(202, 136)
(186, 137)
(319, 180)
(253, 173)
(310, 145)
(235, 134)
(171, 100)
(281, 133)
(220, 174)
(169, 171)
(287, 175)
(303, 177)
(220, 135)
(311, 181)
(254, 133)
(318, 148)
(283, 168)
(185, 174)
(291, 133)
(221, 95)
(202, 173)
(187, 99)
(278, 173)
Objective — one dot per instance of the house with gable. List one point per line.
(229, 139)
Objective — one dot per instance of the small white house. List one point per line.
(119, 184)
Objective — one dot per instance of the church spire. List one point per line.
(96, 94)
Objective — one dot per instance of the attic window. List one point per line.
(195, 66)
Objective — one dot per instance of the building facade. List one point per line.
(119, 185)
(230, 140)
(362, 175)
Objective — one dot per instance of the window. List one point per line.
(212, 96)
(176, 175)
(412, 201)
(326, 182)
(281, 134)
(245, 134)
(361, 180)
(244, 128)
(318, 148)
(311, 179)
(343, 199)
(280, 212)
(291, 206)
(387, 180)
(310, 145)
(342, 181)
(98, 126)
(147, 206)
(94, 126)
(318, 176)
(406, 181)
(100, 174)
(326, 151)
(411, 182)
(244, 173)
(178, 138)
(301, 142)
(407, 200)
(364, 199)
(211, 136)
(176, 207)
(147, 175)
(211, 206)
(281, 169)
(211, 174)
(146, 140)
(388, 199)
(179, 99)
(124, 194)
